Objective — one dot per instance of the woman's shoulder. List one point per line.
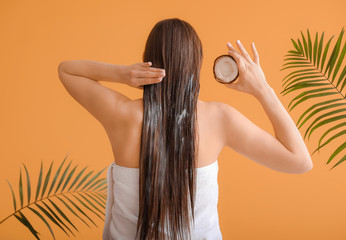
(217, 107)
(130, 112)
(221, 115)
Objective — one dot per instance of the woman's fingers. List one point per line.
(139, 82)
(244, 52)
(151, 74)
(147, 65)
(141, 74)
(239, 59)
(230, 47)
(148, 76)
(255, 53)
(236, 55)
(154, 69)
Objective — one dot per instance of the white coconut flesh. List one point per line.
(226, 69)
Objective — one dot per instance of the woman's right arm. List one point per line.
(286, 152)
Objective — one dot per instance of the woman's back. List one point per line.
(125, 134)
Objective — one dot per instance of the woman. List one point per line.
(166, 144)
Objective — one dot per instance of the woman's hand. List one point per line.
(251, 77)
(139, 74)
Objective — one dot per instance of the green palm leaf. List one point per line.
(26, 223)
(339, 134)
(68, 206)
(320, 78)
(39, 182)
(13, 197)
(52, 207)
(328, 131)
(339, 149)
(20, 188)
(43, 219)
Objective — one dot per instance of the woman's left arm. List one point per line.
(81, 79)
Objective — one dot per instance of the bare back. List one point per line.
(125, 137)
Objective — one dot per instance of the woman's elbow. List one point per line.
(305, 166)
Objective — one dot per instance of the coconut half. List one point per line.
(225, 69)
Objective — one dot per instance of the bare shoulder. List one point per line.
(128, 113)
(212, 115)
(133, 110)
(237, 130)
(213, 105)
(223, 112)
(219, 106)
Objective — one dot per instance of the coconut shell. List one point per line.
(219, 79)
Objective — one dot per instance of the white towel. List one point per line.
(122, 206)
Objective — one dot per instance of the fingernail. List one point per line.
(229, 44)
(238, 41)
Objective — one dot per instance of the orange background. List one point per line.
(40, 121)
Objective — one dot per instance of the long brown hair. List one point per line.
(169, 142)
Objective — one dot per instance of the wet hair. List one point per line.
(169, 139)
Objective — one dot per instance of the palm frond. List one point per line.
(53, 205)
(320, 78)
(26, 223)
